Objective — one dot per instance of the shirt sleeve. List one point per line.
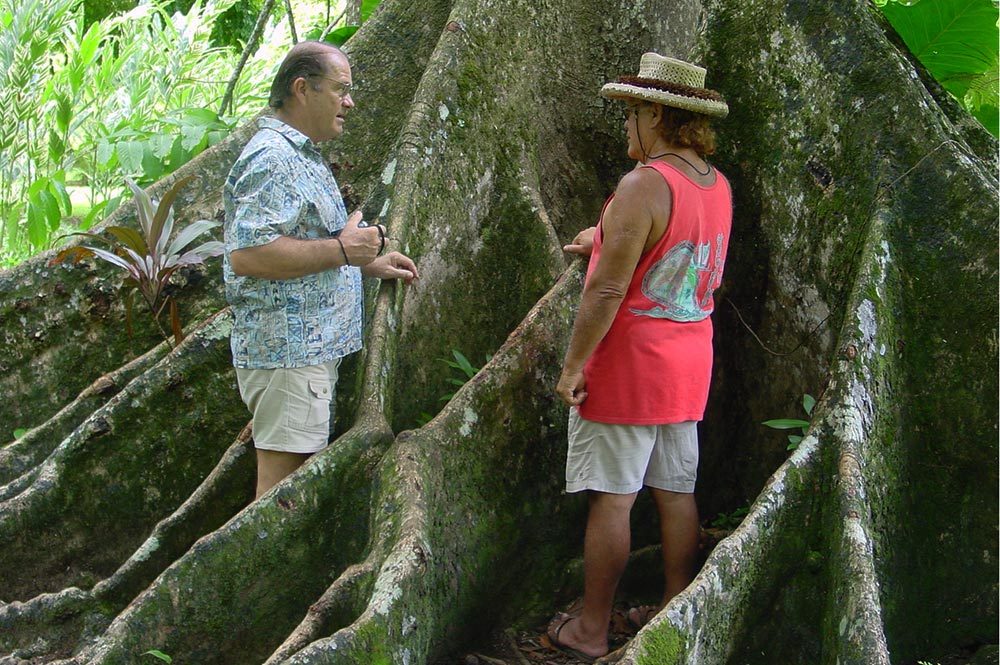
(266, 202)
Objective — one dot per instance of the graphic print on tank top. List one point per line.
(672, 282)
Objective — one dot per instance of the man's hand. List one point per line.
(362, 243)
(393, 265)
(571, 387)
(583, 243)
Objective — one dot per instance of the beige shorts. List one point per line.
(291, 407)
(621, 459)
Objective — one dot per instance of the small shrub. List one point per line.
(730, 521)
(466, 372)
(808, 402)
(149, 258)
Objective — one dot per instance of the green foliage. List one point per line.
(956, 40)
(336, 37)
(730, 521)
(19, 432)
(94, 91)
(158, 654)
(339, 36)
(367, 7)
(465, 371)
(95, 10)
(149, 258)
(232, 27)
(808, 402)
(31, 189)
(86, 104)
(151, 81)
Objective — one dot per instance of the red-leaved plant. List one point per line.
(149, 258)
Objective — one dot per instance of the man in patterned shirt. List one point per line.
(294, 261)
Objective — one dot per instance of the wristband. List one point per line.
(381, 237)
(347, 261)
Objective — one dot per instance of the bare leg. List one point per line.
(605, 554)
(679, 531)
(273, 466)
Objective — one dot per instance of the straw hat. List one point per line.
(670, 82)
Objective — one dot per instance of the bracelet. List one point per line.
(347, 261)
(381, 237)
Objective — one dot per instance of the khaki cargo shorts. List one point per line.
(621, 459)
(291, 407)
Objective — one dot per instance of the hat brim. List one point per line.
(717, 109)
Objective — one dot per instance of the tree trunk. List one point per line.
(352, 12)
(863, 270)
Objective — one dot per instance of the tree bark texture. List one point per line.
(863, 270)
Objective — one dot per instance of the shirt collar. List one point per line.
(294, 136)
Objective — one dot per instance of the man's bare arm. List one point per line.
(288, 258)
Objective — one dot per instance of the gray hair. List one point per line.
(304, 60)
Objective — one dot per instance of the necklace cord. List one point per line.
(686, 161)
(647, 156)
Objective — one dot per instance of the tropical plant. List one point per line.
(232, 27)
(465, 370)
(808, 402)
(730, 521)
(151, 257)
(339, 36)
(31, 189)
(148, 92)
(86, 104)
(956, 40)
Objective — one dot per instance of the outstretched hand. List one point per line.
(393, 265)
(362, 244)
(583, 243)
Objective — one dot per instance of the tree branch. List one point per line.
(291, 22)
(331, 25)
(258, 30)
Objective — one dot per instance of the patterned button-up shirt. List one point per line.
(282, 186)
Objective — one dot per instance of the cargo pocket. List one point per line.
(319, 403)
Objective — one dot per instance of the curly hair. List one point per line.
(305, 60)
(687, 129)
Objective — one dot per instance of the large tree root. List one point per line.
(93, 500)
(31, 449)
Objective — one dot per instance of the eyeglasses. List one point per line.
(340, 88)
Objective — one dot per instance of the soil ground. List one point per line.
(533, 647)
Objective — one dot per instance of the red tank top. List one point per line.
(654, 365)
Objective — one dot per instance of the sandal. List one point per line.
(558, 622)
(641, 615)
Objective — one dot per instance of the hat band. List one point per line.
(674, 88)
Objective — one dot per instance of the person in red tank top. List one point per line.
(639, 363)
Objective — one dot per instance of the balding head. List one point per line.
(306, 60)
